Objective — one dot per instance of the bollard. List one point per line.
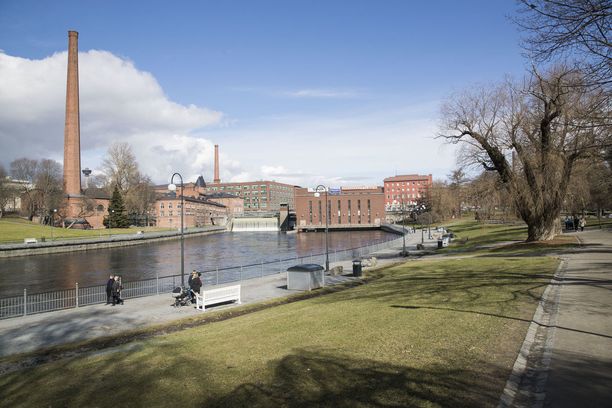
(76, 299)
(157, 282)
(25, 302)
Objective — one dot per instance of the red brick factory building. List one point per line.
(349, 208)
(406, 189)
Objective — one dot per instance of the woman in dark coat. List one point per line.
(117, 291)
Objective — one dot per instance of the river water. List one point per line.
(41, 273)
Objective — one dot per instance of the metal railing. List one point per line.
(27, 304)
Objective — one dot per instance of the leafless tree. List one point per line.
(572, 30)
(532, 135)
(120, 167)
(457, 180)
(49, 189)
(24, 170)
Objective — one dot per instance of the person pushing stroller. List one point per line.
(195, 284)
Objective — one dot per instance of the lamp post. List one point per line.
(52, 223)
(110, 222)
(326, 225)
(403, 227)
(172, 187)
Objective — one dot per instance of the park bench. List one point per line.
(30, 240)
(218, 295)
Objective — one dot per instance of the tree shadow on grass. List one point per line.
(310, 378)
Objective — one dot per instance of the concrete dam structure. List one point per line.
(250, 224)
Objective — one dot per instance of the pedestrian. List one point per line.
(117, 291)
(576, 223)
(109, 289)
(582, 223)
(195, 284)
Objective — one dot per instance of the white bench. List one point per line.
(217, 295)
(30, 240)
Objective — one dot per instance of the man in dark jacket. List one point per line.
(109, 289)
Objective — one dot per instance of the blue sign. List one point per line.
(334, 191)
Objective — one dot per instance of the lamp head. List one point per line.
(317, 194)
(172, 187)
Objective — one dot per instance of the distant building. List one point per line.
(405, 189)
(258, 195)
(202, 205)
(349, 208)
(15, 189)
(199, 212)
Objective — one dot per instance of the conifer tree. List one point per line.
(116, 211)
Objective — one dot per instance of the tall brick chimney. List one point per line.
(217, 180)
(72, 136)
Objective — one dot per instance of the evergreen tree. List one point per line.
(116, 211)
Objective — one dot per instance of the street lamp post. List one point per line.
(326, 226)
(172, 187)
(403, 228)
(53, 223)
(110, 222)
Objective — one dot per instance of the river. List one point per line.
(41, 273)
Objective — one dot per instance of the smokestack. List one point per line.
(72, 133)
(217, 180)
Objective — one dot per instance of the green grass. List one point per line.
(16, 229)
(426, 333)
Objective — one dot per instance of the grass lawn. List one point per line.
(436, 333)
(16, 229)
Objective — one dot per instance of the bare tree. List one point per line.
(120, 167)
(457, 180)
(49, 188)
(545, 125)
(569, 29)
(24, 170)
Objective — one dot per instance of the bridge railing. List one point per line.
(33, 303)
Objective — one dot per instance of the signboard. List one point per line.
(334, 191)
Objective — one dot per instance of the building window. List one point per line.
(161, 205)
(169, 205)
(339, 212)
(169, 213)
(310, 211)
(320, 213)
(349, 211)
(358, 211)
(369, 213)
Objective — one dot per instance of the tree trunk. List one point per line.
(542, 229)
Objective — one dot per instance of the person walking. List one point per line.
(109, 289)
(582, 223)
(117, 291)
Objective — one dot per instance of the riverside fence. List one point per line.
(32, 303)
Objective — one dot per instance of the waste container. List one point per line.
(357, 267)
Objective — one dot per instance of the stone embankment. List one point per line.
(87, 244)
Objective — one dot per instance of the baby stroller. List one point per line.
(182, 296)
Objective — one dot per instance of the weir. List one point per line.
(251, 224)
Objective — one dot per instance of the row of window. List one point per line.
(339, 210)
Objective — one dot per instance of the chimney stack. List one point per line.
(72, 133)
(217, 180)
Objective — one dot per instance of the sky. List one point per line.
(340, 93)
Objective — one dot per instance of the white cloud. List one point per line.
(117, 102)
(358, 148)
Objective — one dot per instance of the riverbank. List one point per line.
(102, 242)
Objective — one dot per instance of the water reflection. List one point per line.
(40, 273)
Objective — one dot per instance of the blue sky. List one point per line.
(339, 92)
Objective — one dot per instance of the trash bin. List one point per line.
(439, 244)
(357, 267)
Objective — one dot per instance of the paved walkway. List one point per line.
(567, 355)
